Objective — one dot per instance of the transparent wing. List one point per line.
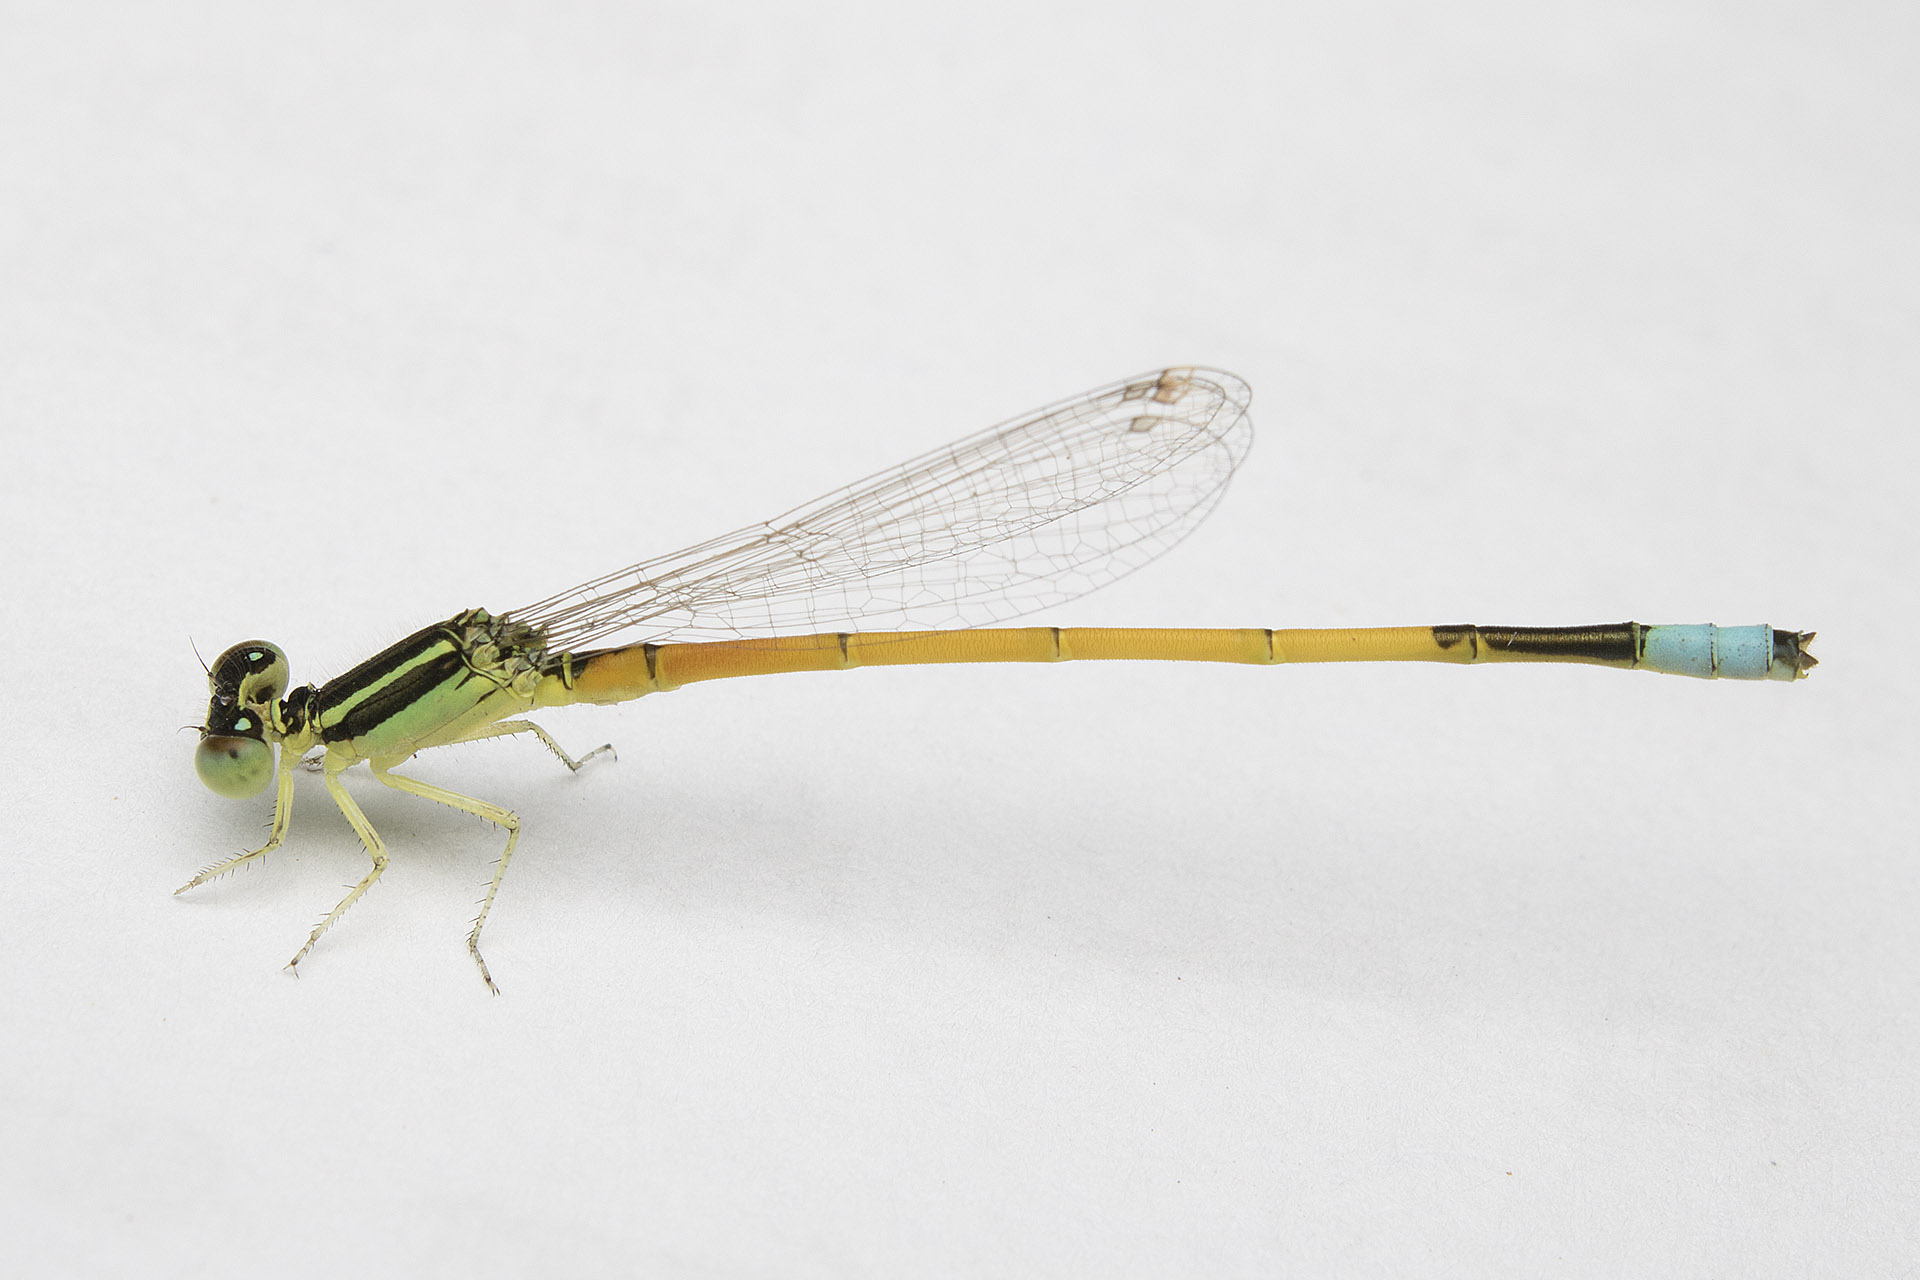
(1019, 517)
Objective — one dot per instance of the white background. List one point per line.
(320, 323)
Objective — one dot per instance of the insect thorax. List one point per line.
(432, 687)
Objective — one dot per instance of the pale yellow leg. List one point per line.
(282, 819)
(506, 727)
(331, 768)
(368, 837)
(479, 808)
(493, 813)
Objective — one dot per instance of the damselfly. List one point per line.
(906, 567)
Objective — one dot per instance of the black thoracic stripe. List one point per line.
(1615, 642)
(424, 671)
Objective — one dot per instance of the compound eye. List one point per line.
(233, 766)
(233, 757)
(251, 673)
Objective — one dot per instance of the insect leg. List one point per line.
(282, 819)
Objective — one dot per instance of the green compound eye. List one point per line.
(253, 673)
(233, 766)
(233, 757)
